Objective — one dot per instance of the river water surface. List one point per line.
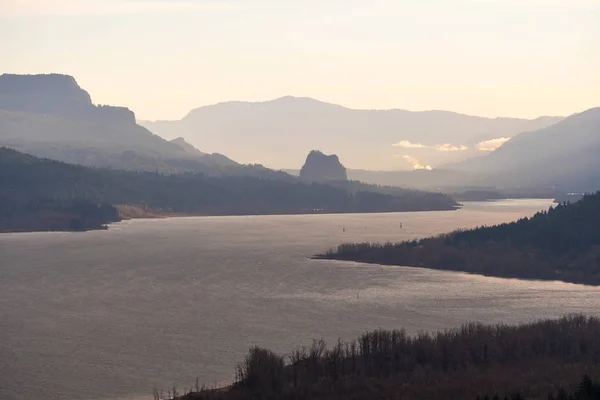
(110, 314)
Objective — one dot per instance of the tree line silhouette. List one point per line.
(562, 243)
(26, 181)
(473, 361)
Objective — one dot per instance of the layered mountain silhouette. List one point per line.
(563, 155)
(53, 108)
(51, 116)
(293, 126)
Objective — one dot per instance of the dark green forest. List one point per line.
(587, 390)
(27, 214)
(548, 359)
(562, 243)
(29, 184)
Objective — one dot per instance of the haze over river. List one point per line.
(110, 314)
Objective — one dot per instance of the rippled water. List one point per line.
(112, 313)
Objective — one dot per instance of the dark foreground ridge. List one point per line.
(562, 243)
(540, 360)
(70, 197)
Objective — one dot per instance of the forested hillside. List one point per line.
(539, 360)
(24, 178)
(562, 243)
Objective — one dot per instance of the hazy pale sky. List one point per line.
(161, 58)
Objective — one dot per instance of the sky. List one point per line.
(162, 58)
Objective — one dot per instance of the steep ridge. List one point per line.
(52, 108)
(565, 155)
(51, 116)
(188, 148)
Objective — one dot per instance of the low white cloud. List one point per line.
(492, 144)
(447, 147)
(101, 7)
(405, 144)
(414, 162)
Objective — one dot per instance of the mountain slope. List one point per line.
(279, 133)
(53, 108)
(188, 148)
(21, 127)
(565, 154)
(51, 116)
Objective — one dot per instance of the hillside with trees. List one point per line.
(562, 243)
(540, 360)
(24, 179)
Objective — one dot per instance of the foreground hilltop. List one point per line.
(541, 360)
(562, 243)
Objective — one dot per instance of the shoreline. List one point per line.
(128, 213)
(320, 257)
(160, 214)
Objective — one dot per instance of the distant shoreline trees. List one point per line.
(562, 243)
(24, 179)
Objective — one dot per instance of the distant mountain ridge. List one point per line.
(363, 137)
(565, 154)
(57, 95)
(560, 158)
(51, 116)
(52, 108)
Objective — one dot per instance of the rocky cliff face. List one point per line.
(322, 168)
(58, 95)
(111, 114)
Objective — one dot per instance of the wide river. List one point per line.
(110, 314)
